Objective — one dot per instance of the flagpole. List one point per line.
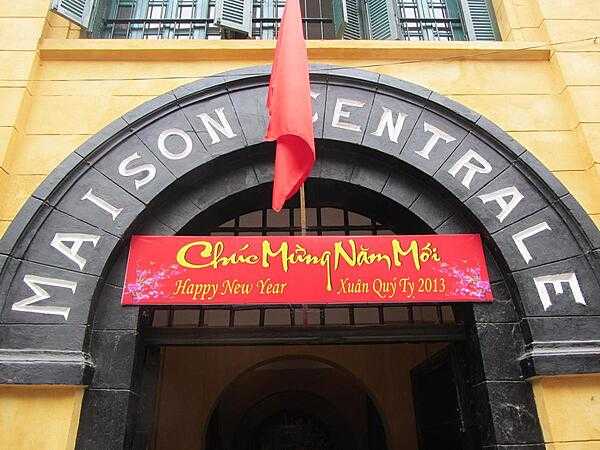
(302, 211)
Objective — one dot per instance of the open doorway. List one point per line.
(307, 397)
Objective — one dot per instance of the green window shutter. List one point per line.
(79, 11)
(234, 15)
(382, 19)
(479, 20)
(455, 12)
(100, 12)
(346, 19)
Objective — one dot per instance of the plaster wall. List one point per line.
(541, 85)
(569, 411)
(39, 417)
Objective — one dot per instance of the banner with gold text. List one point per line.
(226, 270)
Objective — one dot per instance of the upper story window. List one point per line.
(427, 20)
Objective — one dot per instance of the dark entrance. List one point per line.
(442, 412)
(367, 404)
(298, 419)
(292, 430)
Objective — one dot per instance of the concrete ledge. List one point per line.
(197, 50)
(561, 357)
(54, 367)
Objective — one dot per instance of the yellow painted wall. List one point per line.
(569, 411)
(541, 85)
(39, 417)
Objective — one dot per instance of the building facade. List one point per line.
(431, 116)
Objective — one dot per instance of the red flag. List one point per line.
(290, 108)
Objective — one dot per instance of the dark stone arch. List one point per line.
(179, 208)
(494, 335)
(558, 337)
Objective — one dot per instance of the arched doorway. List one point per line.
(61, 269)
(295, 402)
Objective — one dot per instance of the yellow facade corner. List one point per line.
(15, 192)
(7, 137)
(590, 133)
(31, 155)
(569, 9)
(39, 417)
(569, 410)
(24, 9)
(585, 187)
(20, 33)
(558, 150)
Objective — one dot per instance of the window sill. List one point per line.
(198, 50)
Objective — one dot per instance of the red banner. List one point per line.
(198, 270)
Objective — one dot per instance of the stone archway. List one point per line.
(56, 256)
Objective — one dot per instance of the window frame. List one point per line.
(426, 12)
(140, 11)
(202, 26)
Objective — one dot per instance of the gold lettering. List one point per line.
(203, 254)
(268, 253)
(413, 250)
(340, 251)
(215, 254)
(205, 251)
(364, 257)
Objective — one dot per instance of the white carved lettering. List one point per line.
(187, 140)
(498, 196)
(556, 281)
(387, 121)
(436, 135)
(314, 96)
(527, 233)
(102, 204)
(339, 112)
(126, 172)
(472, 169)
(212, 126)
(77, 240)
(28, 304)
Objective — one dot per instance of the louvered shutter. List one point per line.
(79, 11)
(382, 19)
(234, 15)
(479, 20)
(346, 19)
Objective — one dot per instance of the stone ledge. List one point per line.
(56, 367)
(198, 50)
(560, 358)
